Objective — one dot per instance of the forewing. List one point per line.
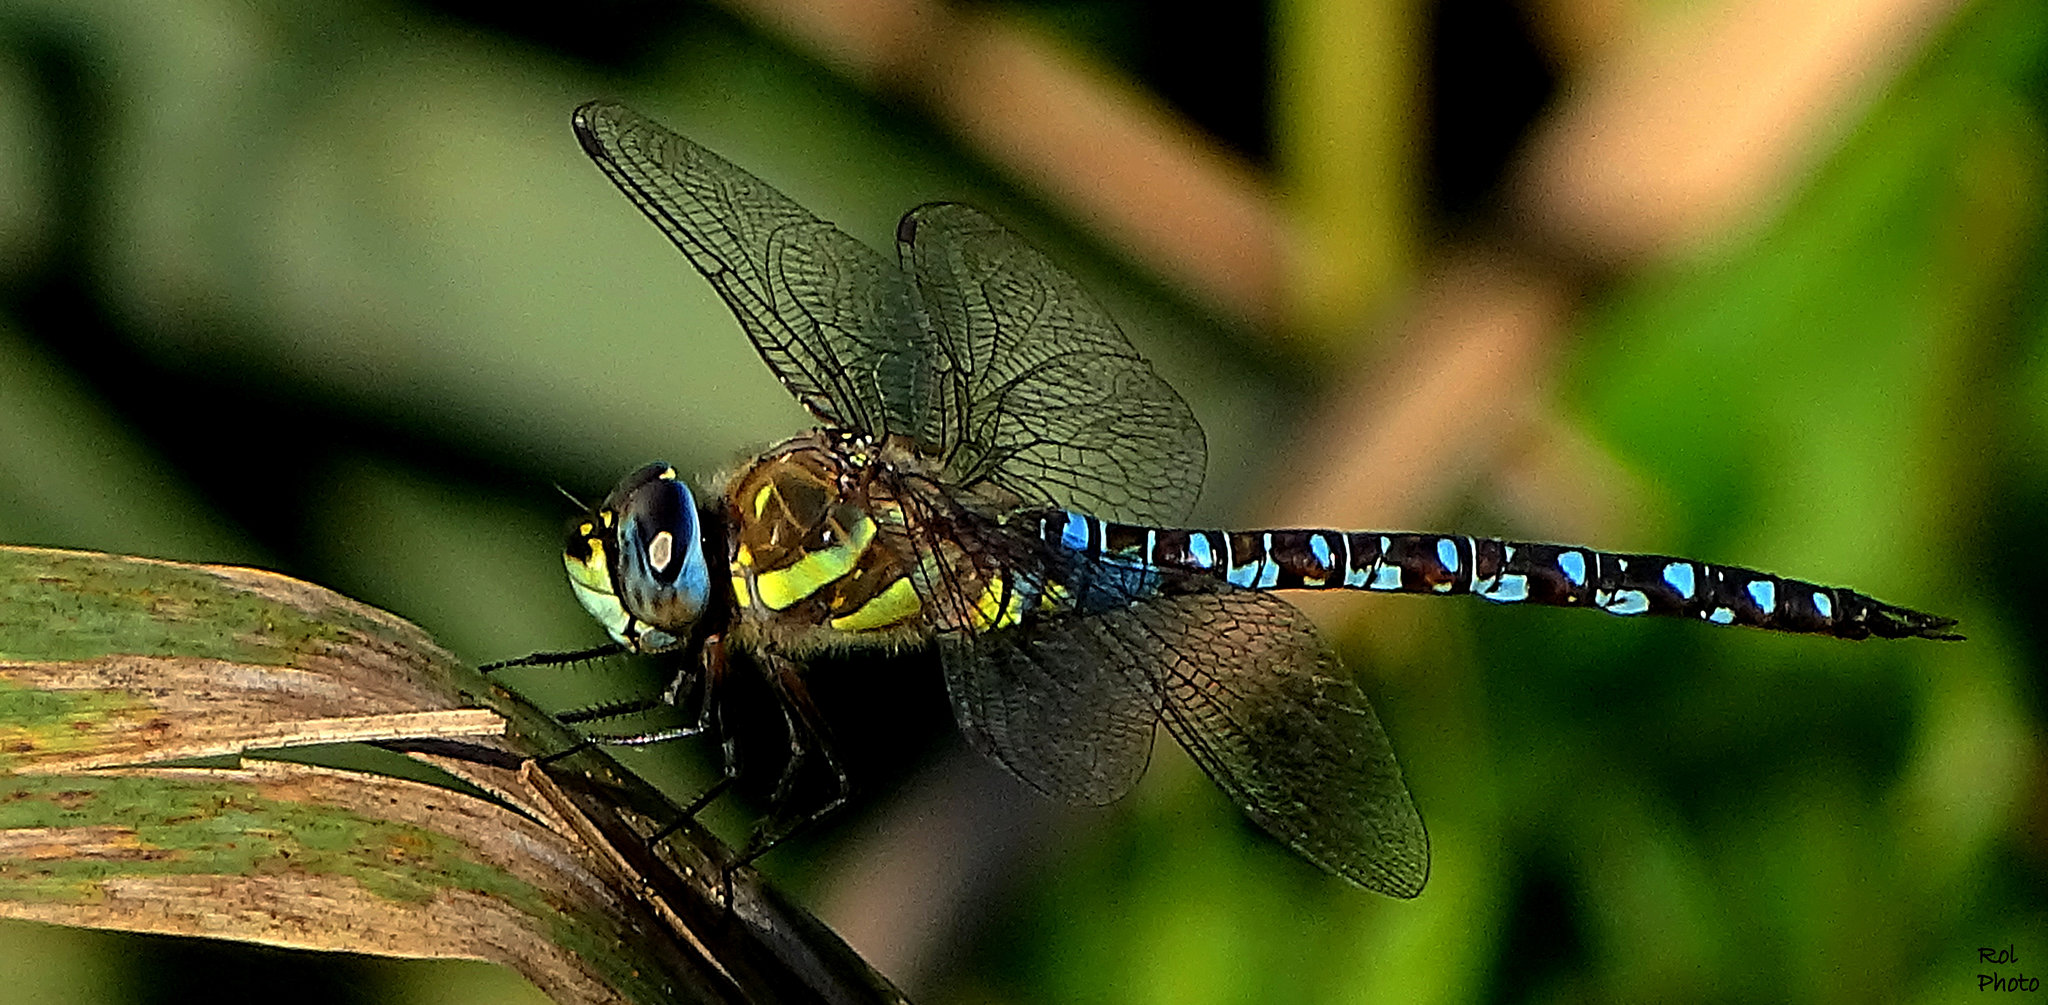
(1255, 696)
(1033, 387)
(829, 315)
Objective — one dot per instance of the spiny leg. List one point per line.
(711, 718)
(698, 725)
(631, 706)
(598, 713)
(728, 774)
(694, 685)
(807, 736)
(695, 688)
(554, 659)
(559, 659)
(609, 710)
(701, 688)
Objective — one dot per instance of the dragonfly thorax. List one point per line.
(637, 562)
(817, 553)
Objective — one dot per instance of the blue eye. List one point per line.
(637, 564)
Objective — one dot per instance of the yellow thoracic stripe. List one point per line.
(895, 604)
(780, 588)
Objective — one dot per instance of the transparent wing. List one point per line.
(1069, 700)
(1067, 706)
(829, 315)
(1032, 386)
(1257, 699)
(993, 358)
(1065, 703)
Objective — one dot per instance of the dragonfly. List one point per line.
(998, 474)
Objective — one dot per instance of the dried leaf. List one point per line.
(111, 666)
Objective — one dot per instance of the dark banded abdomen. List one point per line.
(1501, 571)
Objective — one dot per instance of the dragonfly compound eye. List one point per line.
(661, 579)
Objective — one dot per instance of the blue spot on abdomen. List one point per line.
(1680, 577)
(1508, 588)
(1765, 593)
(1627, 602)
(1573, 565)
(1075, 534)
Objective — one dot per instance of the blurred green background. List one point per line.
(329, 289)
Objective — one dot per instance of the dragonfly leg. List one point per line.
(608, 710)
(697, 689)
(613, 710)
(807, 737)
(693, 690)
(798, 753)
(690, 811)
(698, 727)
(696, 686)
(554, 659)
(704, 798)
(566, 752)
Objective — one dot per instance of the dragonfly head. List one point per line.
(637, 563)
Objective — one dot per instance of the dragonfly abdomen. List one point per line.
(1501, 571)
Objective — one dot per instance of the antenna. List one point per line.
(571, 496)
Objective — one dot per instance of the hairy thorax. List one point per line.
(818, 547)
